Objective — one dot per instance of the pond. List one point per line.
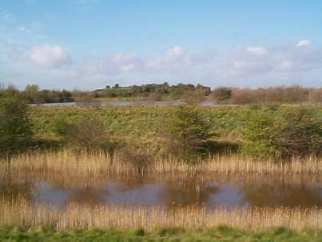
(207, 192)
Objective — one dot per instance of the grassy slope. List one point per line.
(220, 234)
(134, 125)
(142, 125)
(133, 119)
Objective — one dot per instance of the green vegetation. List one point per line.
(87, 134)
(188, 134)
(283, 135)
(185, 133)
(188, 93)
(278, 131)
(222, 94)
(32, 94)
(15, 127)
(219, 234)
(140, 139)
(153, 91)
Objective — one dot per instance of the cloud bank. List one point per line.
(252, 66)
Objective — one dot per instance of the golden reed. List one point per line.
(90, 167)
(76, 216)
(94, 165)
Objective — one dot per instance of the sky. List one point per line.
(88, 44)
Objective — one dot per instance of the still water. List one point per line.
(168, 192)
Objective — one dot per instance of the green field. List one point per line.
(220, 234)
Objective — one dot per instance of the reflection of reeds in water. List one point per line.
(98, 164)
(75, 216)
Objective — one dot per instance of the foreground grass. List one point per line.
(19, 212)
(219, 234)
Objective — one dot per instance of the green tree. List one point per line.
(31, 93)
(188, 134)
(15, 127)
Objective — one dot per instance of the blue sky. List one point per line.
(92, 43)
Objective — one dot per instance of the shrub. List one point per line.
(88, 134)
(244, 96)
(135, 156)
(283, 135)
(31, 93)
(300, 134)
(193, 97)
(15, 127)
(257, 134)
(316, 96)
(188, 134)
(222, 94)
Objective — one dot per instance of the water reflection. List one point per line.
(144, 191)
(270, 195)
(228, 195)
(189, 192)
(43, 192)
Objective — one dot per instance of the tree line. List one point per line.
(187, 92)
(32, 94)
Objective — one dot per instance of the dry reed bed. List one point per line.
(90, 167)
(76, 181)
(76, 216)
(98, 164)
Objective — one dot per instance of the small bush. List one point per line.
(134, 156)
(194, 97)
(188, 134)
(87, 134)
(299, 134)
(222, 94)
(15, 127)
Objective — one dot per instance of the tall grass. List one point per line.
(75, 216)
(68, 163)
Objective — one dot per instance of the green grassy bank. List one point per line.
(144, 126)
(219, 234)
(148, 120)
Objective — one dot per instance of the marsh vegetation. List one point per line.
(150, 168)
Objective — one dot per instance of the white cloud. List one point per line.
(304, 43)
(257, 50)
(122, 62)
(249, 66)
(174, 58)
(175, 52)
(24, 58)
(49, 56)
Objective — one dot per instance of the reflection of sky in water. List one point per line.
(47, 194)
(149, 192)
(228, 195)
(145, 194)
